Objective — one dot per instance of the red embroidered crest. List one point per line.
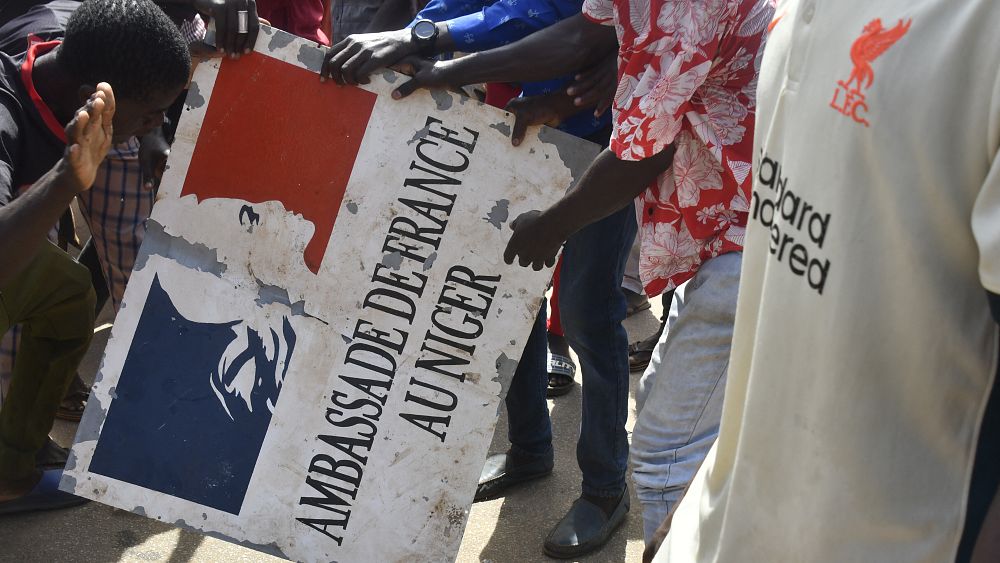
(874, 41)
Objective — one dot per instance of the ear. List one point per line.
(84, 92)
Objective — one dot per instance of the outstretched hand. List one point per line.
(533, 110)
(352, 60)
(535, 242)
(424, 73)
(595, 87)
(88, 138)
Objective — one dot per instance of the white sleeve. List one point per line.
(986, 212)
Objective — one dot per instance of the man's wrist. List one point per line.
(458, 72)
(560, 224)
(445, 43)
(449, 72)
(422, 37)
(407, 43)
(64, 181)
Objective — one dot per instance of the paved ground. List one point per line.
(505, 530)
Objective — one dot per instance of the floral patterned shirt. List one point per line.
(687, 76)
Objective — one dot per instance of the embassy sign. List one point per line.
(319, 330)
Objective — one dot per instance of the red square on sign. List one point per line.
(273, 132)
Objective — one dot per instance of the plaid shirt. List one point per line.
(116, 209)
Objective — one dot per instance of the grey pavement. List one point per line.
(509, 529)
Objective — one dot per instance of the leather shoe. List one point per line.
(584, 528)
(504, 470)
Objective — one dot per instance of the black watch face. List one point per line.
(424, 29)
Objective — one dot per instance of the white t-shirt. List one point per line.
(864, 348)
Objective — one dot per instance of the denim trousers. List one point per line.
(592, 308)
(679, 400)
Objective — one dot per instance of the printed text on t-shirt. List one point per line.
(797, 229)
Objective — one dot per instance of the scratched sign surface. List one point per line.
(320, 327)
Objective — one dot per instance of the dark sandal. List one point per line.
(641, 352)
(636, 302)
(639, 356)
(561, 372)
(73, 404)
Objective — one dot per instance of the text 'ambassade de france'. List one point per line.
(355, 408)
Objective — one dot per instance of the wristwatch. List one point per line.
(425, 33)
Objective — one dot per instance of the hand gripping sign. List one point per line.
(320, 327)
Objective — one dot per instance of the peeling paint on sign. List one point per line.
(196, 256)
(499, 213)
(502, 127)
(311, 57)
(194, 97)
(279, 39)
(443, 99)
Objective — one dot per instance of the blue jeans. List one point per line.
(679, 400)
(592, 307)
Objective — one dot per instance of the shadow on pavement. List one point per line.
(91, 533)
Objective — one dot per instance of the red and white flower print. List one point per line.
(694, 23)
(673, 89)
(667, 252)
(695, 170)
(687, 77)
(726, 115)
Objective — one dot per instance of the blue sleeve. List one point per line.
(479, 26)
(445, 10)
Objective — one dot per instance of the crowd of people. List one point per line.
(812, 186)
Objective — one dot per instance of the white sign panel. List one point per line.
(315, 341)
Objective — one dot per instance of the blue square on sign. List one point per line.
(193, 404)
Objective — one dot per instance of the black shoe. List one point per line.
(584, 528)
(505, 470)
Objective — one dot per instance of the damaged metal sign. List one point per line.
(320, 328)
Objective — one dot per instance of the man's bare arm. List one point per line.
(566, 47)
(608, 185)
(25, 222)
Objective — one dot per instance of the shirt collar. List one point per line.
(37, 47)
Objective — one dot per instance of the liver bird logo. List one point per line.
(873, 42)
